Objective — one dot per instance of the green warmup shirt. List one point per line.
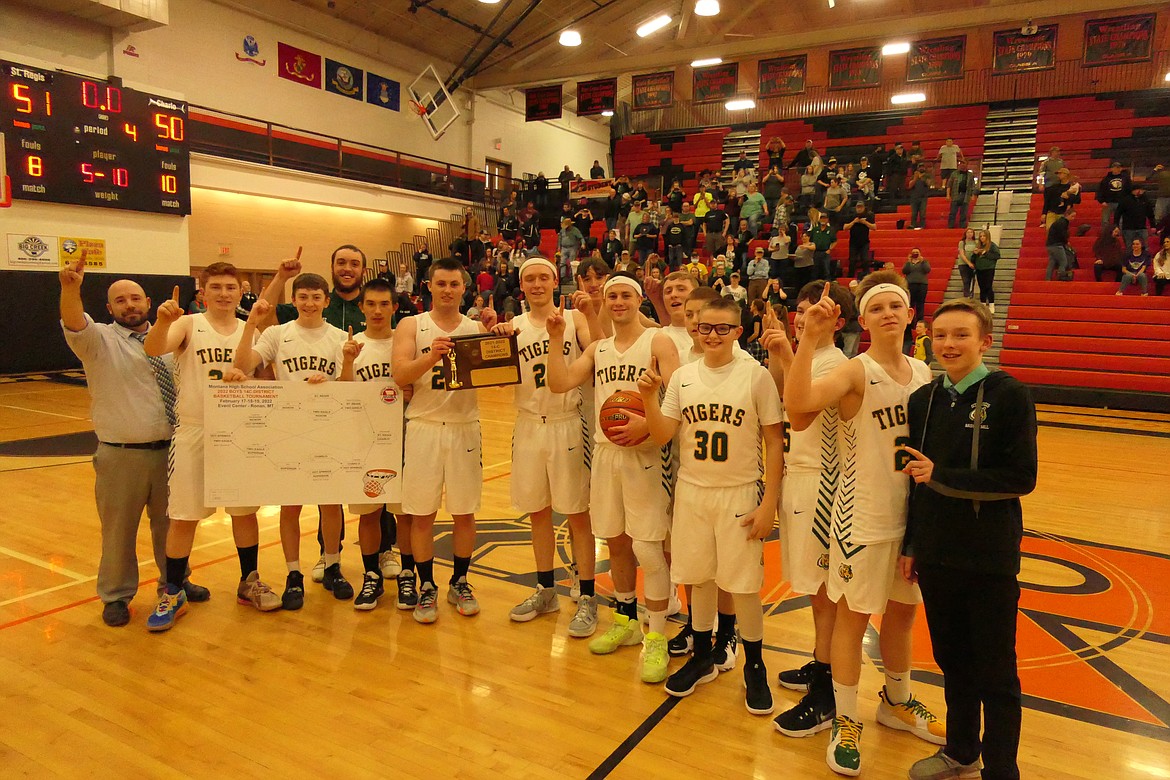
(340, 313)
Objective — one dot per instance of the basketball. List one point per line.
(615, 412)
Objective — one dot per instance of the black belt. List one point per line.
(145, 445)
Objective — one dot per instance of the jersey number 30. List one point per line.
(711, 445)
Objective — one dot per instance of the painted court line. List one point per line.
(43, 564)
(41, 411)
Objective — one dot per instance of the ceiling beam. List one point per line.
(688, 10)
(744, 14)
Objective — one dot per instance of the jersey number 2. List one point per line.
(437, 382)
(538, 370)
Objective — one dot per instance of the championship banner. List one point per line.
(1119, 40)
(298, 65)
(593, 97)
(381, 91)
(717, 83)
(542, 103)
(855, 68)
(591, 188)
(937, 59)
(343, 80)
(1015, 52)
(782, 76)
(653, 90)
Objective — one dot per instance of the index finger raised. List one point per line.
(825, 292)
(175, 294)
(349, 330)
(917, 455)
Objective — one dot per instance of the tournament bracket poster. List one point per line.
(782, 76)
(542, 103)
(1119, 40)
(653, 90)
(716, 83)
(855, 68)
(937, 59)
(1015, 52)
(594, 97)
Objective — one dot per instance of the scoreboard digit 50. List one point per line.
(91, 142)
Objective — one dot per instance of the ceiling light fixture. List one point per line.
(705, 63)
(832, 4)
(1168, 77)
(570, 38)
(908, 97)
(895, 48)
(607, 112)
(653, 26)
(740, 104)
(489, 2)
(706, 7)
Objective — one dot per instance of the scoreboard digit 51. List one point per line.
(92, 142)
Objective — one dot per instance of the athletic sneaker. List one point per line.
(542, 601)
(813, 714)
(675, 605)
(940, 766)
(407, 589)
(426, 611)
(171, 605)
(196, 594)
(623, 632)
(390, 564)
(335, 582)
(655, 660)
(584, 622)
(758, 698)
(371, 591)
(912, 716)
(683, 642)
(692, 674)
(724, 653)
(575, 580)
(294, 591)
(319, 569)
(844, 753)
(459, 593)
(799, 679)
(254, 592)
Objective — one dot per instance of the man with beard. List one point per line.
(133, 422)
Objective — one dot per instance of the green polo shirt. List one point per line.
(340, 313)
(978, 373)
(822, 238)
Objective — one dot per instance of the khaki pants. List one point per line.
(128, 481)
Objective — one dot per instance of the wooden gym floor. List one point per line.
(327, 690)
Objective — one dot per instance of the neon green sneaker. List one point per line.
(844, 753)
(655, 659)
(912, 716)
(622, 633)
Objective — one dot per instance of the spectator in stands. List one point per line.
(570, 241)
(565, 177)
(512, 205)
(509, 224)
(247, 301)
(611, 250)
(1056, 197)
(1113, 185)
(859, 228)
(471, 226)
(825, 177)
(690, 227)
(1134, 214)
(676, 197)
(422, 268)
(866, 190)
(835, 200)
(485, 279)
(720, 275)
(624, 208)
(1107, 254)
(753, 209)
(702, 202)
(734, 290)
(528, 213)
(808, 188)
(823, 237)
(640, 194)
(780, 254)
(773, 187)
(949, 155)
(1059, 259)
(775, 152)
(645, 238)
(742, 163)
(674, 238)
(583, 219)
(917, 272)
(960, 186)
(530, 232)
(963, 260)
(1160, 189)
(540, 189)
(1134, 268)
(896, 169)
(697, 270)
(1162, 267)
(1050, 165)
(804, 157)
(716, 224)
(758, 271)
(625, 263)
(404, 284)
(597, 172)
(476, 308)
(919, 192)
(633, 220)
(803, 263)
(985, 256)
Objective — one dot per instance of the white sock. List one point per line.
(657, 621)
(897, 687)
(293, 566)
(332, 558)
(845, 697)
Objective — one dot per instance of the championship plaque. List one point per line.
(484, 360)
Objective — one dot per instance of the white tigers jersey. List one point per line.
(814, 450)
(737, 352)
(373, 363)
(721, 412)
(206, 356)
(431, 400)
(681, 338)
(297, 353)
(613, 371)
(532, 394)
(870, 505)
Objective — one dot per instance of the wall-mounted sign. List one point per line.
(653, 90)
(1119, 40)
(542, 103)
(593, 97)
(937, 59)
(855, 68)
(716, 83)
(1015, 52)
(782, 76)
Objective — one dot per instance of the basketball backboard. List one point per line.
(432, 102)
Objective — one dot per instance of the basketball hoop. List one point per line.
(374, 482)
(418, 108)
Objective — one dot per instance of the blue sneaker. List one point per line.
(171, 604)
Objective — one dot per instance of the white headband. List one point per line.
(621, 280)
(538, 261)
(883, 288)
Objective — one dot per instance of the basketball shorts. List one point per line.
(548, 465)
(629, 491)
(365, 509)
(185, 478)
(707, 541)
(437, 456)
(869, 577)
(804, 533)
